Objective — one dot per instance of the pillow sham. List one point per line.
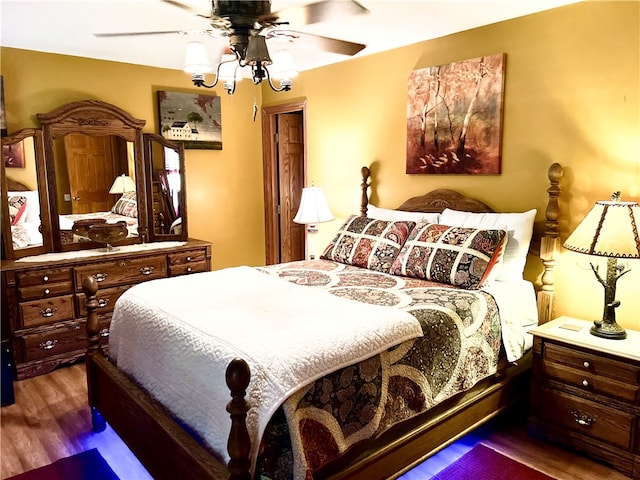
(519, 227)
(400, 215)
(458, 256)
(126, 205)
(17, 207)
(368, 243)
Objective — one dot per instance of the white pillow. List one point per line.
(398, 215)
(32, 213)
(519, 228)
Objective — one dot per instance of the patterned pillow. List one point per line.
(17, 206)
(126, 205)
(454, 255)
(368, 243)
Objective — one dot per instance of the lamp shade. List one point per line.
(196, 60)
(313, 207)
(122, 184)
(610, 229)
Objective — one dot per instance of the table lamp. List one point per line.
(122, 184)
(609, 230)
(313, 209)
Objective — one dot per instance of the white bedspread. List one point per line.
(289, 335)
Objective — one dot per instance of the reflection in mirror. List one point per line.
(166, 161)
(22, 225)
(95, 179)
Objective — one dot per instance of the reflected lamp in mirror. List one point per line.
(609, 230)
(122, 184)
(313, 209)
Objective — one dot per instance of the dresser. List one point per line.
(43, 312)
(585, 392)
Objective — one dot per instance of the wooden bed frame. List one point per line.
(169, 452)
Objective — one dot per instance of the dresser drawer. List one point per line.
(591, 363)
(192, 261)
(59, 340)
(44, 290)
(589, 418)
(43, 277)
(122, 272)
(106, 300)
(46, 311)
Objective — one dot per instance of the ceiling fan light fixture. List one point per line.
(195, 59)
(257, 52)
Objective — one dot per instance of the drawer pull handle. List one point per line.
(585, 383)
(100, 277)
(146, 270)
(586, 364)
(189, 269)
(104, 332)
(103, 302)
(48, 312)
(47, 291)
(583, 419)
(48, 345)
(188, 259)
(45, 278)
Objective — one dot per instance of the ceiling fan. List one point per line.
(242, 19)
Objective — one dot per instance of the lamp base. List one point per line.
(612, 331)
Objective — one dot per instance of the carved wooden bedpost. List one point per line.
(90, 288)
(365, 191)
(549, 245)
(239, 443)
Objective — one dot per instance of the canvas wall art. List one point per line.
(454, 117)
(191, 118)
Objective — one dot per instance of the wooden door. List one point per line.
(92, 167)
(284, 164)
(290, 148)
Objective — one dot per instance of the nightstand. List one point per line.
(586, 392)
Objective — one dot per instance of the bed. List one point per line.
(414, 412)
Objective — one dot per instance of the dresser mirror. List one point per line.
(165, 168)
(95, 171)
(26, 229)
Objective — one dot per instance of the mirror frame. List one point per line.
(149, 140)
(93, 118)
(9, 252)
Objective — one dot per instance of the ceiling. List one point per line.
(68, 26)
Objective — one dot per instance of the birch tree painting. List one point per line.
(454, 117)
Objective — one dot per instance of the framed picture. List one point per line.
(191, 118)
(13, 155)
(454, 117)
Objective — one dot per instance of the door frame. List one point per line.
(270, 172)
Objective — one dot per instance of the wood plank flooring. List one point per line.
(51, 420)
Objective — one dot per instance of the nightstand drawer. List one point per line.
(593, 383)
(589, 418)
(594, 364)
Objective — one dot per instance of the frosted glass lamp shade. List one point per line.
(229, 68)
(313, 207)
(195, 59)
(122, 184)
(283, 66)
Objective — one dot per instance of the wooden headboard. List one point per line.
(544, 243)
(16, 186)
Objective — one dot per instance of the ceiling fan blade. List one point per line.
(137, 34)
(321, 11)
(333, 45)
(186, 7)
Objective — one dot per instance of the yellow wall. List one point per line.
(224, 187)
(571, 96)
(572, 87)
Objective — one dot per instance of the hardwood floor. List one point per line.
(51, 420)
